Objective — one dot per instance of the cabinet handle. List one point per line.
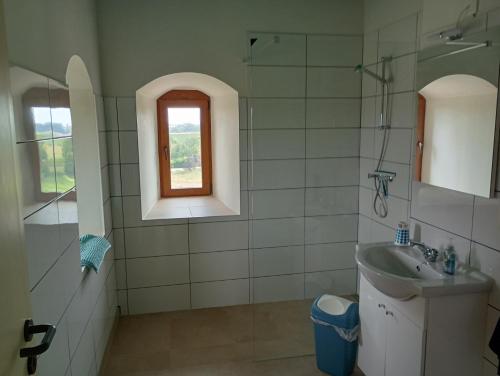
(389, 313)
(380, 305)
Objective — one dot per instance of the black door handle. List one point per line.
(32, 352)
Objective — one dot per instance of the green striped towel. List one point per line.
(92, 251)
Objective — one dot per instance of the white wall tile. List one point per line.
(123, 301)
(403, 113)
(121, 274)
(84, 358)
(278, 49)
(333, 113)
(221, 236)
(331, 200)
(157, 271)
(243, 112)
(370, 47)
(486, 222)
(398, 210)
(110, 113)
(487, 260)
(217, 266)
(271, 113)
(333, 82)
(243, 175)
(366, 202)
(398, 38)
(276, 144)
(156, 240)
(331, 256)
(332, 172)
(244, 145)
(117, 211)
(403, 73)
(440, 239)
(381, 233)
(276, 203)
(399, 145)
(278, 288)
(337, 282)
(331, 229)
(41, 231)
(370, 113)
(277, 232)
(367, 166)
(127, 120)
(130, 184)
(53, 293)
(55, 360)
(443, 208)
(276, 174)
(327, 50)
(118, 243)
(113, 147)
(276, 261)
(220, 293)
(158, 299)
(367, 141)
(364, 229)
(129, 152)
(330, 143)
(103, 148)
(285, 82)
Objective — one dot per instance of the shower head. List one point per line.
(360, 68)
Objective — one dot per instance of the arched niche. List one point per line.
(85, 148)
(225, 199)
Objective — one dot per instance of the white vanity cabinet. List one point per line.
(422, 336)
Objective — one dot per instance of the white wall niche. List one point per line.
(85, 148)
(224, 112)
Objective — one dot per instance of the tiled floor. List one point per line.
(260, 339)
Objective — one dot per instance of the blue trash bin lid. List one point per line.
(335, 310)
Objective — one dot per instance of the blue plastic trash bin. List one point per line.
(336, 327)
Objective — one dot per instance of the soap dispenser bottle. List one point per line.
(450, 260)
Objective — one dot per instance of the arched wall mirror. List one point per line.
(456, 143)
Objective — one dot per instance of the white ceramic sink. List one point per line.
(402, 273)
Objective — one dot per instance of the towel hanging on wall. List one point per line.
(92, 251)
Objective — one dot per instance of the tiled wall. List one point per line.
(295, 237)
(81, 304)
(438, 216)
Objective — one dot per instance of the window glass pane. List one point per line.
(61, 121)
(42, 122)
(185, 147)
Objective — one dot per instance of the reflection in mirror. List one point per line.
(457, 127)
(458, 123)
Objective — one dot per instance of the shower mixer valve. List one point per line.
(383, 177)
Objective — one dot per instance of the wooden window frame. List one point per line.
(180, 99)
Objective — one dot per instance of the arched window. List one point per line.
(184, 141)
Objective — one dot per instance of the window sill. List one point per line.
(188, 207)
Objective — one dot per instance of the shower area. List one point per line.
(303, 111)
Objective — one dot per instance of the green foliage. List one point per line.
(185, 150)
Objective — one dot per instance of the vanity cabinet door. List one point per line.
(404, 347)
(372, 340)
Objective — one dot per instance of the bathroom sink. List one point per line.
(402, 273)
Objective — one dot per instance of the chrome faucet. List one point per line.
(430, 254)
